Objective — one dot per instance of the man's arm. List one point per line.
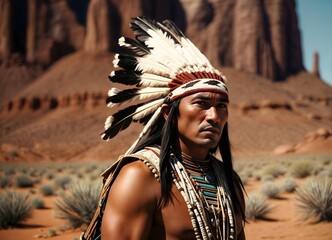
(131, 203)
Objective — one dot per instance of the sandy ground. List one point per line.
(282, 223)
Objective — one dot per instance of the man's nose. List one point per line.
(212, 114)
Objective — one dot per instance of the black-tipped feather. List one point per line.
(171, 30)
(126, 77)
(122, 96)
(137, 48)
(127, 62)
(145, 119)
(121, 121)
(140, 25)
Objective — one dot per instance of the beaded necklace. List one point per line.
(208, 203)
(202, 176)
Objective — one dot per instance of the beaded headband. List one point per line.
(162, 65)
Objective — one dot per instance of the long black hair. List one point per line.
(163, 134)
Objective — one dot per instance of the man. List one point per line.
(169, 184)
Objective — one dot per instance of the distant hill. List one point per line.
(60, 115)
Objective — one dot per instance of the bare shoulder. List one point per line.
(135, 175)
(132, 201)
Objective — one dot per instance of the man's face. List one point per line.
(201, 119)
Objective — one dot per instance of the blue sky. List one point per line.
(315, 23)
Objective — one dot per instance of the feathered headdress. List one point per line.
(162, 65)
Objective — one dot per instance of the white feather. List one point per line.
(109, 122)
(152, 92)
(113, 91)
(122, 42)
(116, 60)
(153, 80)
(148, 65)
(195, 52)
(162, 46)
(143, 94)
(147, 109)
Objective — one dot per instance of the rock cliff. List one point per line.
(260, 37)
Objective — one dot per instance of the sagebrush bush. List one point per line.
(90, 168)
(5, 181)
(273, 170)
(62, 181)
(9, 170)
(15, 207)
(47, 190)
(267, 178)
(24, 181)
(78, 202)
(38, 203)
(326, 172)
(257, 206)
(244, 178)
(314, 198)
(50, 175)
(301, 169)
(288, 185)
(270, 190)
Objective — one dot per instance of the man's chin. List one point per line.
(209, 143)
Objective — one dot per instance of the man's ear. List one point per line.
(165, 111)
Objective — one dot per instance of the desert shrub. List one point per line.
(257, 177)
(14, 154)
(257, 206)
(14, 208)
(270, 190)
(94, 176)
(38, 203)
(24, 169)
(24, 181)
(47, 190)
(62, 181)
(267, 178)
(301, 169)
(325, 173)
(288, 185)
(78, 203)
(273, 170)
(90, 168)
(9, 170)
(59, 168)
(80, 175)
(49, 175)
(5, 182)
(327, 161)
(315, 199)
(51, 233)
(244, 178)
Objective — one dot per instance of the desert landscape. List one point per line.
(53, 110)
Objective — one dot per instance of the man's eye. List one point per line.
(199, 103)
(222, 105)
(202, 104)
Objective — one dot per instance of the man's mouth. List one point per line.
(212, 130)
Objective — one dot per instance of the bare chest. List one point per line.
(174, 219)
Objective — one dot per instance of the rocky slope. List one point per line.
(60, 116)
